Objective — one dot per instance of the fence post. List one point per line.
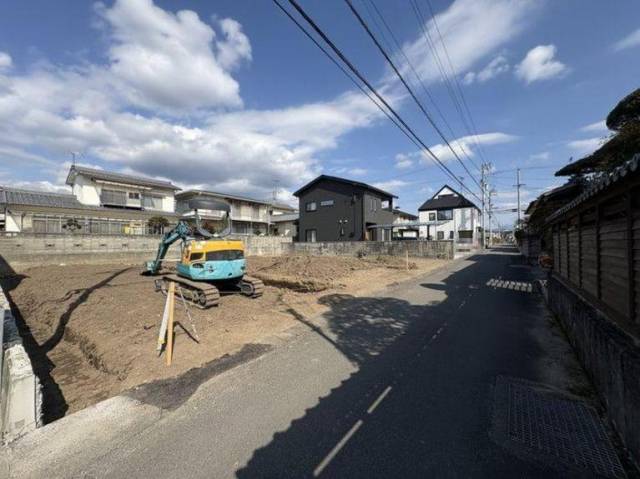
(598, 287)
(567, 235)
(631, 274)
(579, 226)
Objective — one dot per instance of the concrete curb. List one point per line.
(20, 391)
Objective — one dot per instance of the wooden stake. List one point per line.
(172, 290)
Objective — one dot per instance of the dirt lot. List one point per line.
(91, 330)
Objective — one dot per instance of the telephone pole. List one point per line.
(484, 169)
(518, 185)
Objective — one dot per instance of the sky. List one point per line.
(231, 96)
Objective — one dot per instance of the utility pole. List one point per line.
(518, 185)
(484, 169)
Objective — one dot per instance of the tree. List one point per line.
(157, 224)
(72, 225)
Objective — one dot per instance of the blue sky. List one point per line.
(230, 96)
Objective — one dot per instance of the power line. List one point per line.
(416, 74)
(404, 82)
(409, 131)
(455, 78)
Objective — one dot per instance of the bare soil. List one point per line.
(91, 330)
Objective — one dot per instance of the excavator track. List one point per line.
(201, 294)
(252, 287)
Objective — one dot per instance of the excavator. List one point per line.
(209, 264)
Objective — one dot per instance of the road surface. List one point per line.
(397, 385)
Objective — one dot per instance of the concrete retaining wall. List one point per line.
(20, 392)
(422, 249)
(25, 250)
(609, 355)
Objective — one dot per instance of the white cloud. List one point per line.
(595, 127)
(166, 104)
(497, 66)
(630, 41)
(391, 186)
(472, 30)
(343, 170)
(539, 157)
(540, 64)
(585, 146)
(467, 144)
(173, 61)
(405, 160)
(5, 61)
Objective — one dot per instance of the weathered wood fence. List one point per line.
(596, 247)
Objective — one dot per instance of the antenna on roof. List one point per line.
(74, 155)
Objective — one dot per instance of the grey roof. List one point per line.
(602, 183)
(218, 194)
(15, 196)
(447, 202)
(359, 184)
(282, 218)
(117, 178)
(398, 212)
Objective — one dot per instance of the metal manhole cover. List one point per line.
(533, 420)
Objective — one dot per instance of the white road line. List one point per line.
(325, 462)
(375, 403)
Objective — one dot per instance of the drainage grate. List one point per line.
(534, 420)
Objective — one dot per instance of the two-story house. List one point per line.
(100, 202)
(338, 209)
(249, 216)
(93, 187)
(449, 216)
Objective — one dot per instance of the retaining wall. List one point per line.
(20, 391)
(23, 250)
(422, 249)
(609, 355)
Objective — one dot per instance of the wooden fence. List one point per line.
(596, 248)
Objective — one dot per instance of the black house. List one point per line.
(337, 209)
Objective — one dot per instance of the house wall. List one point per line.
(241, 211)
(347, 207)
(88, 193)
(465, 219)
(285, 228)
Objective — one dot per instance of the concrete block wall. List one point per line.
(609, 355)
(20, 391)
(24, 250)
(420, 249)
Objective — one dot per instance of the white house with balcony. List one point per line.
(249, 216)
(93, 187)
(448, 215)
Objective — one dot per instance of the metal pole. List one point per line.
(518, 185)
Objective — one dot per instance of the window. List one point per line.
(228, 255)
(440, 235)
(113, 197)
(432, 216)
(451, 234)
(326, 203)
(310, 236)
(134, 196)
(384, 204)
(445, 215)
(312, 206)
(152, 202)
(465, 234)
(196, 256)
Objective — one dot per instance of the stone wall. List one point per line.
(20, 392)
(24, 250)
(422, 249)
(609, 355)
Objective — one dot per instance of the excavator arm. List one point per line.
(180, 232)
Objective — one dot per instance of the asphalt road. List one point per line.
(396, 385)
